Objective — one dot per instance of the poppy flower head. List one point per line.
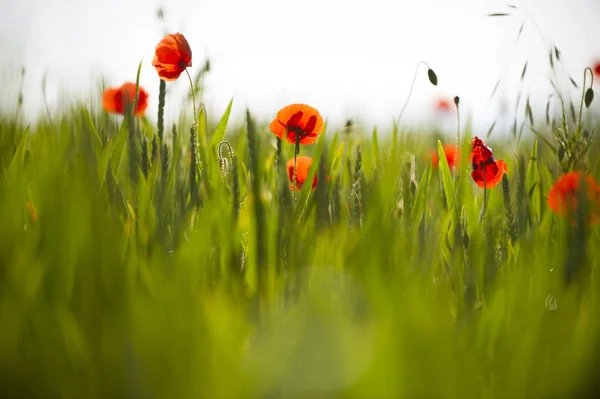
(487, 172)
(172, 56)
(443, 105)
(563, 196)
(118, 99)
(452, 156)
(303, 164)
(298, 119)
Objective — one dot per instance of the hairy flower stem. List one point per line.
(484, 200)
(193, 97)
(583, 95)
(412, 85)
(194, 167)
(456, 160)
(295, 177)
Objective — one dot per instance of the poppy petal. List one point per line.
(562, 197)
(309, 139)
(303, 164)
(493, 174)
(286, 113)
(295, 119)
(109, 100)
(310, 125)
(277, 128)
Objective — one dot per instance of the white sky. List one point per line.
(346, 58)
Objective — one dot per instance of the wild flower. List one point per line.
(172, 56)
(487, 172)
(563, 197)
(298, 121)
(452, 156)
(117, 99)
(303, 164)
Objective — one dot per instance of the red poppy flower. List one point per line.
(487, 172)
(172, 56)
(116, 100)
(303, 164)
(596, 69)
(452, 156)
(562, 197)
(443, 105)
(298, 119)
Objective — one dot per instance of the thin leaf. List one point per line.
(97, 143)
(447, 181)
(418, 208)
(375, 148)
(528, 112)
(524, 70)
(520, 31)
(532, 186)
(573, 112)
(573, 82)
(19, 154)
(114, 192)
(137, 87)
(544, 139)
(219, 133)
(495, 88)
(489, 132)
(201, 131)
(498, 14)
(118, 149)
(520, 131)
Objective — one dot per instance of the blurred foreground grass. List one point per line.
(125, 271)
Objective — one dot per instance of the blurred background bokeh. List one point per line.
(350, 59)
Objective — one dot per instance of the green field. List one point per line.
(139, 260)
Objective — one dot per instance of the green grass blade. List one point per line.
(533, 186)
(447, 181)
(418, 208)
(219, 133)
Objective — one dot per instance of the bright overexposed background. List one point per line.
(348, 58)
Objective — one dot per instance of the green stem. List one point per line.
(583, 95)
(193, 96)
(484, 199)
(412, 85)
(295, 178)
(457, 153)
